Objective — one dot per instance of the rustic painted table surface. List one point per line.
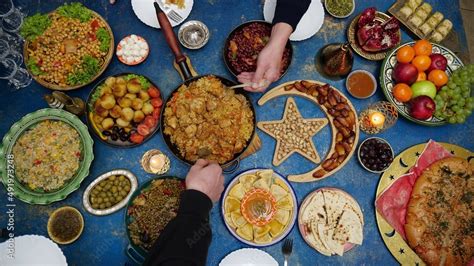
(104, 238)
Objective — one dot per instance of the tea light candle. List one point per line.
(377, 119)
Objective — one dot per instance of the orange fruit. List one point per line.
(405, 54)
(422, 47)
(402, 92)
(421, 76)
(438, 77)
(421, 62)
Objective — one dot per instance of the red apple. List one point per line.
(438, 61)
(422, 107)
(405, 73)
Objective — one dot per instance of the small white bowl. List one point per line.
(350, 13)
(374, 81)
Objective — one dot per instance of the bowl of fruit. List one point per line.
(428, 83)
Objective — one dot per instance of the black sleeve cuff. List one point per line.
(290, 11)
(195, 202)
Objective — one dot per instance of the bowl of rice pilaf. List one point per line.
(46, 155)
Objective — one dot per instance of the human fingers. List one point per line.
(258, 76)
(245, 77)
(201, 163)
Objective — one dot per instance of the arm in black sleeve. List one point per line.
(290, 11)
(186, 239)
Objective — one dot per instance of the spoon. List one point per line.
(251, 84)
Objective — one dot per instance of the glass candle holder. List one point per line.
(378, 117)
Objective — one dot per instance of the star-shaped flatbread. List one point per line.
(293, 134)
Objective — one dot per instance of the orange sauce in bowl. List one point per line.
(360, 85)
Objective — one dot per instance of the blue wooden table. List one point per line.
(104, 238)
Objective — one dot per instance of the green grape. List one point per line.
(470, 106)
(457, 79)
(444, 88)
(460, 119)
(457, 90)
(437, 97)
(465, 94)
(456, 108)
(452, 120)
(457, 96)
(461, 102)
(451, 84)
(438, 113)
(452, 102)
(470, 100)
(450, 93)
(467, 112)
(443, 94)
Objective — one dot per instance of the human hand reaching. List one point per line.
(207, 178)
(269, 60)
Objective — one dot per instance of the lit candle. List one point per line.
(377, 119)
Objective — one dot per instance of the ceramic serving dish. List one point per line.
(7, 171)
(387, 83)
(86, 196)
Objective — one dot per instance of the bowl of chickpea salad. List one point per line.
(67, 48)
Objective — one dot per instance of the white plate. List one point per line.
(145, 11)
(309, 24)
(291, 222)
(32, 250)
(249, 257)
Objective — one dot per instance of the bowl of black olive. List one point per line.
(375, 154)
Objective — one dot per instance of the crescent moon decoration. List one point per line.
(403, 163)
(342, 118)
(390, 234)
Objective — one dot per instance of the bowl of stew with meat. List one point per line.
(244, 44)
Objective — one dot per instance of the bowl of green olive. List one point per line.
(109, 192)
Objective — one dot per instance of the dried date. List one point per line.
(320, 173)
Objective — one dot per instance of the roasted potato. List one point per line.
(137, 104)
(144, 95)
(127, 114)
(125, 102)
(120, 80)
(107, 101)
(138, 116)
(147, 108)
(116, 112)
(99, 110)
(119, 90)
(122, 123)
(110, 82)
(105, 90)
(97, 118)
(134, 86)
(107, 123)
(131, 96)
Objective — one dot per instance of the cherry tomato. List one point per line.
(153, 92)
(136, 138)
(149, 121)
(156, 113)
(143, 130)
(156, 102)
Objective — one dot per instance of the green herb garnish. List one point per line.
(34, 67)
(90, 67)
(143, 81)
(75, 10)
(34, 26)
(104, 39)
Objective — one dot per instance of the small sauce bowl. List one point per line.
(359, 72)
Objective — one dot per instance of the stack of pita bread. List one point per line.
(331, 221)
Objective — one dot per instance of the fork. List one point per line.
(173, 15)
(286, 249)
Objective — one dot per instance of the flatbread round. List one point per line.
(440, 216)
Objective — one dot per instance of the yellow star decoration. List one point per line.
(293, 134)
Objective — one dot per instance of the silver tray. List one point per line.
(116, 207)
